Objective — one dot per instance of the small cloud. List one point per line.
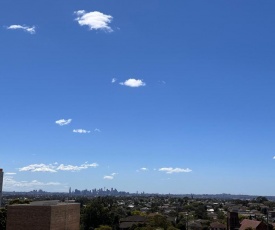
(28, 29)
(142, 169)
(10, 173)
(97, 130)
(94, 20)
(114, 80)
(175, 170)
(274, 157)
(55, 167)
(81, 131)
(110, 177)
(62, 122)
(133, 83)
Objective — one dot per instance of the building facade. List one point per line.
(44, 215)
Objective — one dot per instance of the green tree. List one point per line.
(221, 216)
(261, 199)
(159, 221)
(3, 218)
(96, 213)
(104, 227)
(201, 212)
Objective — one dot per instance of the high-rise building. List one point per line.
(1, 185)
(44, 215)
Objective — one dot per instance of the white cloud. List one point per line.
(133, 83)
(81, 131)
(274, 157)
(28, 29)
(94, 20)
(63, 167)
(175, 170)
(10, 183)
(10, 173)
(38, 168)
(114, 80)
(144, 169)
(110, 177)
(97, 130)
(62, 122)
(55, 167)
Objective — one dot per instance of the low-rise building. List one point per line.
(44, 215)
(253, 224)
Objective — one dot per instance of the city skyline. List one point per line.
(146, 96)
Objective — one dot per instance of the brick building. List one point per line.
(44, 215)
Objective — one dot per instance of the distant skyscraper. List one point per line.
(1, 185)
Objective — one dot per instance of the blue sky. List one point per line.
(154, 96)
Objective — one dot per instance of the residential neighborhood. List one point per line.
(165, 212)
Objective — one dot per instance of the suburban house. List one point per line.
(254, 224)
(128, 222)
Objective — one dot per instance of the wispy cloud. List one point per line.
(62, 122)
(29, 29)
(38, 168)
(274, 157)
(110, 177)
(55, 167)
(133, 83)
(144, 169)
(81, 131)
(10, 183)
(97, 130)
(94, 20)
(171, 170)
(114, 80)
(63, 167)
(10, 173)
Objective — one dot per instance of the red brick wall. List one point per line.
(55, 217)
(22, 217)
(65, 217)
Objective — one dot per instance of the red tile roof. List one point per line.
(246, 223)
